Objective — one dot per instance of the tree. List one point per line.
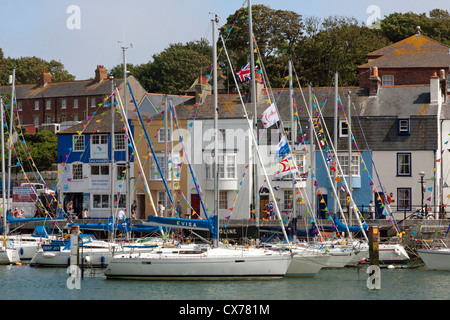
(29, 69)
(398, 26)
(173, 70)
(42, 147)
(276, 32)
(335, 44)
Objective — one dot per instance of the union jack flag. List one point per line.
(244, 74)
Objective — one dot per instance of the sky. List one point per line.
(82, 34)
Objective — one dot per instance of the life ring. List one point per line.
(4, 241)
(67, 236)
(389, 199)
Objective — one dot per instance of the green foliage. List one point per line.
(335, 44)
(398, 26)
(29, 69)
(42, 147)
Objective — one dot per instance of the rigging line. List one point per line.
(321, 153)
(20, 163)
(258, 153)
(172, 110)
(350, 195)
(271, 98)
(151, 147)
(135, 149)
(376, 171)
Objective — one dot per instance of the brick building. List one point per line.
(50, 102)
(411, 61)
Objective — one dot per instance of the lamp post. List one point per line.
(421, 174)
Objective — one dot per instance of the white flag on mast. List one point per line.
(270, 116)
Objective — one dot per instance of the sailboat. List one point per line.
(435, 253)
(191, 262)
(436, 258)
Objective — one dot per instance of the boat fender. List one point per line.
(21, 251)
(102, 261)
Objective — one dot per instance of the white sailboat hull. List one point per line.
(392, 253)
(436, 259)
(209, 264)
(9, 255)
(306, 265)
(89, 257)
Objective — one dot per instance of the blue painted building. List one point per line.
(86, 175)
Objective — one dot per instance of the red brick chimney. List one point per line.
(374, 82)
(45, 78)
(100, 73)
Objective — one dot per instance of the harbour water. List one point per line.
(28, 283)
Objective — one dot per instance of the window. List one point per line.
(403, 126)
(287, 199)
(48, 104)
(404, 199)
(63, 104)
(100, 201)
(99, 170)
(78, 143)
(227, 167)
(162, 135)
(343, 160)
(75, 103)
(63, 117)
(387, 80)
(48, 119)
(154, 172)
(77, 171)
(119, 141)
(92, 102)
(223, 199)
(100, 139)
(300, 161)
(404, 164)
(36, 105)
(122, 201)
(20, 105)
(173, 166)
(343, 128)
(121, 171)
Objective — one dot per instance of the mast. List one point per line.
(127, 153)
(349, 140)
(216, 135)
(313, 156)
(255, 121)
(11, 117)
(335, 137)
(166, 162)
(113, 141)
(293, 136)
(5, 226)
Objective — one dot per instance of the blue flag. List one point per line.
(283, 147)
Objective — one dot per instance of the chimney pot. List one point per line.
(100, 73)
(45, 78)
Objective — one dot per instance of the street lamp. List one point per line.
(421, 174)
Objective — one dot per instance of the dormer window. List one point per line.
(403, 126)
